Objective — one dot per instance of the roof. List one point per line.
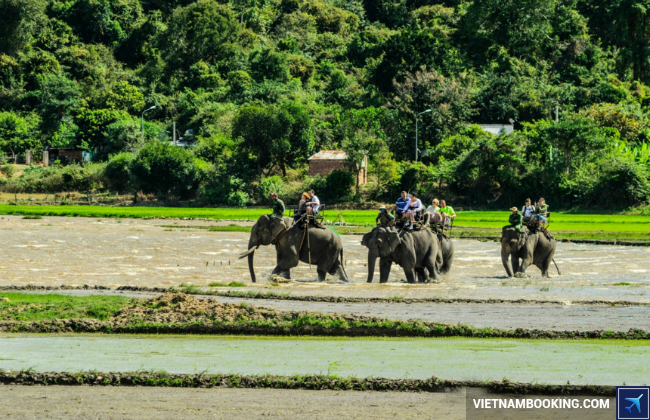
(497, 128)
(329, 155)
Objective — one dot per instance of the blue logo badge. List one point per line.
(632, 403)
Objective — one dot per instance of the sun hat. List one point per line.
(513, 208)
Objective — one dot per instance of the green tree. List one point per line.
(59, 98)
(19, 19)
(18, 133)
(165, 169)
(276, 136)
(575, 137)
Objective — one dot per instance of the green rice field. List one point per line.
(468, 223)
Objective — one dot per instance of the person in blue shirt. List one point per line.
(402, 204)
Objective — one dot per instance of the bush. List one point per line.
(621, 184)
(8, 170)
(117, 173)
(269, 185)
(339, 184)
(238, 199)
(81, 178)
(164, 169)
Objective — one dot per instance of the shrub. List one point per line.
(117, 173)
(621, 184)
(8, 170)
(269, 185)
(81, 178)
(339, 184)
(238, 199)
(164, 169)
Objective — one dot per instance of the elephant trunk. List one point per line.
(252, 245)
(505, 253)
(372, 260)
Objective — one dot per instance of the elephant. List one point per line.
(413, 251)
(531, 248)
(292, 247)
(445, 254)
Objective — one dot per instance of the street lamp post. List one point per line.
(143, 112)
(416, 131)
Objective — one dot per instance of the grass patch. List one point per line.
(37, 307)
(32, 217)
(231, 284)
(621, 283)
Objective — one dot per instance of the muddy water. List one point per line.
(110, 252)
(554, 362)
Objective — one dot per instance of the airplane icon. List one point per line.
(635, 402)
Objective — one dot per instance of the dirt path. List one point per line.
(112, 252)
(29, 402)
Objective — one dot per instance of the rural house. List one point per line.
(326, 161)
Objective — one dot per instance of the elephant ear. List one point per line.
(393, 241)
(365, 240)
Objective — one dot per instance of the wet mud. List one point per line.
(178, 313)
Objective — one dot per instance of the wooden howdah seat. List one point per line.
(318, 216)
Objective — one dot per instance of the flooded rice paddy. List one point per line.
(596, 362)
(113, 252)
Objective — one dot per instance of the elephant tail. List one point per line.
(558, 268)
(343, 265)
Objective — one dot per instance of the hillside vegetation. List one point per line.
(257, 86)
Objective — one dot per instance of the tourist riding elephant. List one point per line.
(293, 245)
(413, 251)
(530, 248)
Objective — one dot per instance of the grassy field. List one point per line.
(37, 307)
(469, 223)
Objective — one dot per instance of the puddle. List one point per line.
(544, 361)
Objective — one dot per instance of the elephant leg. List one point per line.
(422, 276)
(410, 275)
(520, 271)
(544, 266)
(384, 269)
(322, 274)
(338, 270)
(514, 260)
(505, 255)
(432, 268)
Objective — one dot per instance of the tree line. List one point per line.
(257, 86)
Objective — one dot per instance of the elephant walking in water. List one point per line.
(530, 248)
(413, 251)
(294, 246)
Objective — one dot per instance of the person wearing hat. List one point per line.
(516, 219)
(277, 217)
(384, 218)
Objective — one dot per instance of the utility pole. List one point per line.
(174, 131)
(143, 112)
(416, 131)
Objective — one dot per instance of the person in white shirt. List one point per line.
(314, 203)
(528, 211)
(414, 208)
(432, 215)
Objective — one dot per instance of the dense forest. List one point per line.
(256, 86)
